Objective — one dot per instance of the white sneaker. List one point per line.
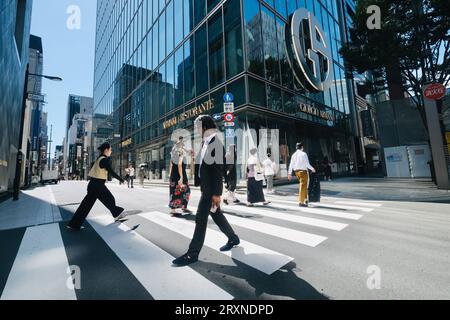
(120, 216)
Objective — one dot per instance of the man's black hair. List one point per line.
(299, 145)
(207, 122)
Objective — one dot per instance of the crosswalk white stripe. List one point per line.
(322, 212)
(152, 266)
(305, 238)
(359, 203)
(322, 204)
(289, 217)
(335, 206)
(40, 270)
(260, 258)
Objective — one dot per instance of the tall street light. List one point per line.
(19, 158)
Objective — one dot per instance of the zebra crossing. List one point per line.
(44, 257)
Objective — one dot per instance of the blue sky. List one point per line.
(67, 53)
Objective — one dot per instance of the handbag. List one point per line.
(259, 176)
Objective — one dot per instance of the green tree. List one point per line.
(410, 49)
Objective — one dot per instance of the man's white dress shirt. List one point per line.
(299, 161)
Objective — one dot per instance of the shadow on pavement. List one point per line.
(283, 283)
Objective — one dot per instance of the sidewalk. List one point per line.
(35, 206)
(364, 188)
(380, 189)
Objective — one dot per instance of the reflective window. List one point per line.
(148, 101)
(270, 2)
(253, 37)
(237, 88)
(188, 16)
(199, 10)
(217, 99)
(178, 20)
(274, 101)
(189, 70)
(162, 90)
(211, 4)
(155, 44)
(201, 60)
(155, 10)
(162, 38)
(280, 6)
(257, 92)
(270, 45)
(216, 62)
(170, 79)
(233, 38)
(286, 70)
(291, 6)
(169, 26)
(179, 77)
(162, 3)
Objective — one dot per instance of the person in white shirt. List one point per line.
(130, 175)
(269, 172)
(300, 165)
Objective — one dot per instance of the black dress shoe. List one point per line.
(184, 260)
(230, 245)
(73, 228)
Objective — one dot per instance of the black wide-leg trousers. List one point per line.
(96, 190)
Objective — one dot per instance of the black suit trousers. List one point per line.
(96, 190)
(201, 223)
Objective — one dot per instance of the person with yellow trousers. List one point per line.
(300, 165)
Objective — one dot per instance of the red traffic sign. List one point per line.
(434, 91)
(229, 117)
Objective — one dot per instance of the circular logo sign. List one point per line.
(229, 117)
(308, 51)
(434, 91)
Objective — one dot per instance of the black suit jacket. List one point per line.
(209, 176)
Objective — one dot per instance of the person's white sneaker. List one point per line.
(120, 216)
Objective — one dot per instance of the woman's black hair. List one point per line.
(104, 146)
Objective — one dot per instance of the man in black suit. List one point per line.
(209, 176)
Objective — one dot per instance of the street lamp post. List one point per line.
(19, 158)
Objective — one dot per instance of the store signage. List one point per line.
(229, 117)
(308, 51)
(228, 107)
(191, 113)
(434, 91)
(310, 109)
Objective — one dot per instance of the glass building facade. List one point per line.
(161, 60)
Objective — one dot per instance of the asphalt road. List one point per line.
(340, 248)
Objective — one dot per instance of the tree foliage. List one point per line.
(410, 50)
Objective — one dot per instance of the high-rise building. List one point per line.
(158, 64)
(78, 104)
(15, 17)
(36, 100)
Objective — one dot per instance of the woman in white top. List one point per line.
(269, 172)
(254, 180)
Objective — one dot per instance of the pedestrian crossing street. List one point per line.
(43, 266)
